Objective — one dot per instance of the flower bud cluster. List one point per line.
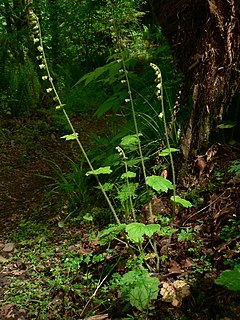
(37, 39)
(158, 80)
(121, 152)
(177, 104)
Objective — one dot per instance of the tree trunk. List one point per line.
(205, 38)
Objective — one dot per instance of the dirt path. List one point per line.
(24, 154)
(21, 184)
(19, 193)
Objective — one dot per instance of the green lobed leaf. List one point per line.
(139, 288)
(127, 191)
(183, 202)
(128, 174)
(167, 151)
(230, 279)
(227, 125)
(150, 229)
(101, 170)
(130, 141)
(137, 230)
(107, 235)
(72, 136)
(159, 183)
(144, 292)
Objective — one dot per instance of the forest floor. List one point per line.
(40, 262)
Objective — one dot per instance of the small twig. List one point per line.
(204, 208)
(97, 288)
(93, 295)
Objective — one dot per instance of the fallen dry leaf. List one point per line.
(7, 310)
(175, 292)
(99, 317)
(175, 268)
(2, 259)
(188, 263)
(9, 247)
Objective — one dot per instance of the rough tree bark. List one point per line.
(205, 38)
(15, 16)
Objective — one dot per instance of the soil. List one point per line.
(24, 161)
(21, 183)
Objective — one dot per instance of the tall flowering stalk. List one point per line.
(162, 115)
(121, 44)
(43, 65)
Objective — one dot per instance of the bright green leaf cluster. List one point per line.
(183, 202)
(230, 279)
(130, 142)
(107, 235)
(136, 231)
(139, 288)
(159, 183)
(167, 151)
(72, 136)
(101, 170)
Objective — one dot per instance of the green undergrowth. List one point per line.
(79, 270)
(55, 265)
(70, 274)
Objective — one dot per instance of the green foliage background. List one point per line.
(78, 38)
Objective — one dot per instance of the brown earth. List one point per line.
(21, 186)
(24, 160)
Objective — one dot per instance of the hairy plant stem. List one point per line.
(173, 175)
(151, 218)
(127, 180)
(171, 161)
(137, 133)
(163, 116)
(119, 45)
